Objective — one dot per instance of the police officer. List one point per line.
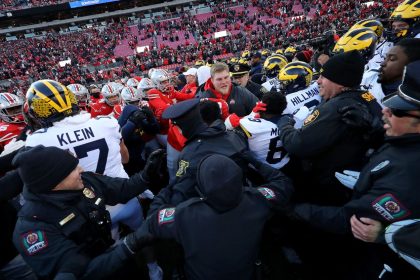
(225, 220)
(240, 75)
(201, 141)
(63, 229)
(387, 185)
(326, 143)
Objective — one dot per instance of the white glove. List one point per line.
(12, 146)
(147, 194)
(348, 178)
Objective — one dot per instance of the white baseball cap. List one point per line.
(191, 71)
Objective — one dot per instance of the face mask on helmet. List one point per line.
(363, 40)
(295, 76)
(273, 65)
(11, 108)
(130, 95)
(405, 21)
(161, 79)
(110, 94)
(50, 101)
(82, 95)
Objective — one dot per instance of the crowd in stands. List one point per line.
(8, 5)
(26, 60)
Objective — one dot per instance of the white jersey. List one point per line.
(96, 142)
(308, 97)
(272, 84)
(264, 141)
(370, 83)
(379, 56)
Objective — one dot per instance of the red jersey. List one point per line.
(8, 131)
(100, 109)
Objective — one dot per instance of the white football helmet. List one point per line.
(82, 95)
(11, 108)
(130, 95)
(151, 70)
(132, 83)
(144, 85)
(109, 92)
(161, 79)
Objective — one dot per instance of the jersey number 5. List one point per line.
(82, 151)
(273, 150)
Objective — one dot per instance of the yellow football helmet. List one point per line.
(295, 76)
(363, 40)
(409, 12)
(246, 54)
(273, 64)
(199, 62)
(265, 52)
(279, 51)
(289, 53)
(373, 24)
(50, 101)
(233, 60)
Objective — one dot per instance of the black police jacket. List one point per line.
(214, 140)
(223, 245)
(387, 189)
(68, 232)
(256, 89)
(325, 143)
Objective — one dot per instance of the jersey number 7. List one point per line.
(82, 152)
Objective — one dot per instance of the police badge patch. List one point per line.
(390, 208)
(166, 215)
(309, 119)
(267, 193)
(34, 241)
(182, 169)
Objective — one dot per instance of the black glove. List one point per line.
(153, 164)
(286, 120)
(138, 240)
(148, 113)
(137, 117)
(357, 116)
(249, 157)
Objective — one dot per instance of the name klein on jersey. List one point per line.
(75, 136)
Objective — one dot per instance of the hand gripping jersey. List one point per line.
(370, 83)
(308, 97)
(272, 84)
(8, 131)
(96, 142)
(264, 141)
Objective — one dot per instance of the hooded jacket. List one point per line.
(220, 231)
(214, 139)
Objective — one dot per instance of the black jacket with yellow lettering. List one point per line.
(325, 144)
(68, 232)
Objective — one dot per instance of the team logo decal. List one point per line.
(267, 193)
(88, 193)
(380, 166)
(309, 119)
(182, 169)
(166, 215)
(34, 241)
(390, 208)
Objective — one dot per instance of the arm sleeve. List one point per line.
(316, 136)
(277, 182)
(10, 185)
(117, 190)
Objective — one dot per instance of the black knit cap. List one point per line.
(345, 69)
(43, 168)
